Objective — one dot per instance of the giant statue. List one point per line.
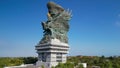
(53, 47)
(57, 26)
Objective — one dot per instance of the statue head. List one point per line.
(54, 9)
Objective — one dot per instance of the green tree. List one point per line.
(52, 67)
(80, 66)
(110, 64)
(29, 60)
(6, 61)
(42, 66)
(60, 65)
(65, 65)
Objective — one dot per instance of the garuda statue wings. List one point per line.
(57, 26)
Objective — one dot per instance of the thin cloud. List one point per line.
(117, 23)
(3, 43)
(118, 15)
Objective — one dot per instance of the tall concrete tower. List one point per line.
(53, 47)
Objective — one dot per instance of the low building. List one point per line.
(84, 64)
(23, 66)
(95, 66)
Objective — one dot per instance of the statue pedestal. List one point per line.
(51, 53)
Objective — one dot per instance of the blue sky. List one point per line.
(94, 27)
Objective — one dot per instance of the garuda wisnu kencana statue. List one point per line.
(57, 26)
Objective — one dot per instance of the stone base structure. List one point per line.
(51, 53)
(53, 47)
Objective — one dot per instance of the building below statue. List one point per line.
(53, 47)
(51, 53)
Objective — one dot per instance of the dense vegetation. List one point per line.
(103, 62)
(8, 61)
(65, 65)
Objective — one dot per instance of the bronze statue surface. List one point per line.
(57, 26)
